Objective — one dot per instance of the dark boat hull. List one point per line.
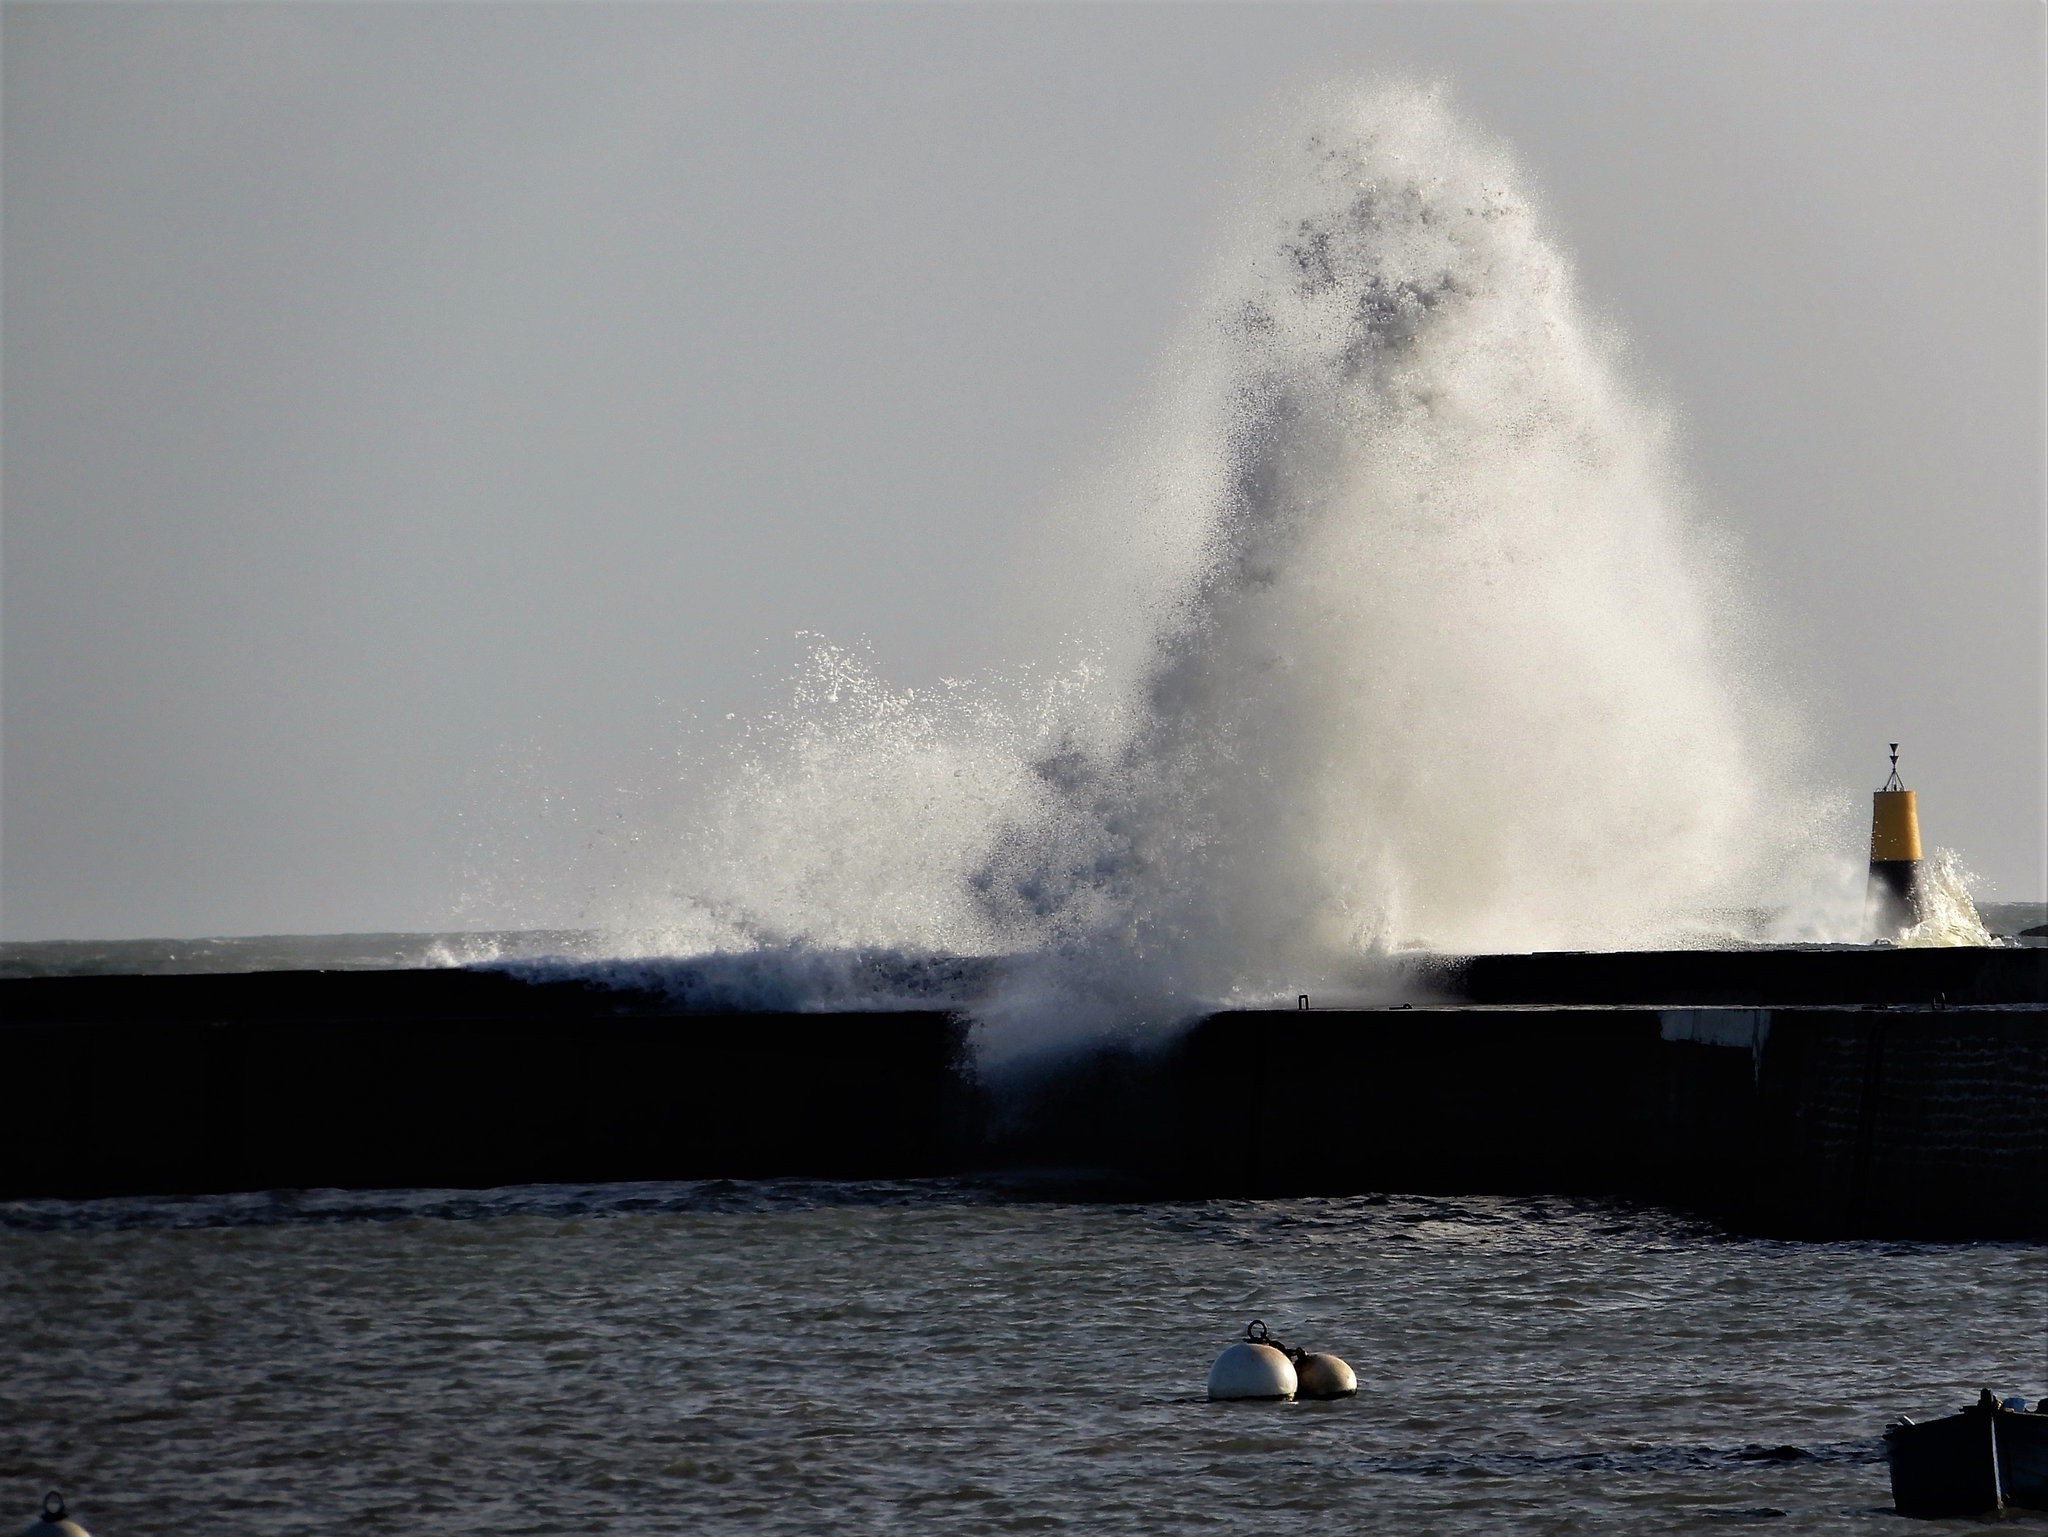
(1970, 1464)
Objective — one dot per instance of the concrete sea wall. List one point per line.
(1806, 1094)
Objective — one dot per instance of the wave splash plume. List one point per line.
(1398, 628)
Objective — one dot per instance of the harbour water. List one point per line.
(947, 1357)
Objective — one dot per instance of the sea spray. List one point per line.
(1948, 915)
(857, 817)
(1441, 655)
(1396, 627)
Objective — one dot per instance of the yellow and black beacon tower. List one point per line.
(1894, 901)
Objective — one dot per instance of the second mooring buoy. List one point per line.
(1323, 1376)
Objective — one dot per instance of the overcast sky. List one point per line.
(409, 411)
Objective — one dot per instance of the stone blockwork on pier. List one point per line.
(1933, 1122)
(1803, 1122)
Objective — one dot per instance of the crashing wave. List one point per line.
(1398, 628)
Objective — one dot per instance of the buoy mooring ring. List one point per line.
(55, 1520)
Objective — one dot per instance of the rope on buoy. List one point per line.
(1256, 1333)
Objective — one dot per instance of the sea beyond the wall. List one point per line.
(402, 951)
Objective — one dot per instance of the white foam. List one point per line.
(1949, 917)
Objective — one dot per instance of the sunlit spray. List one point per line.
(1396, 628)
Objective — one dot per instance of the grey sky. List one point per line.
(411, 409)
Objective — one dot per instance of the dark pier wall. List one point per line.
(1850, 977)
(1922, 1123)
(1807, 1094)
(1808, 1122)
(460, 1079)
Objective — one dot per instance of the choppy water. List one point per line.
(798, 1358)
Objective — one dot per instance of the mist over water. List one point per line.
(1395, 626)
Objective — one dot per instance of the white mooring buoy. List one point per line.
(1252, 1369)
(54, 1522)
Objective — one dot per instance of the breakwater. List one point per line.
(1806, 1094)
(387, 1079)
